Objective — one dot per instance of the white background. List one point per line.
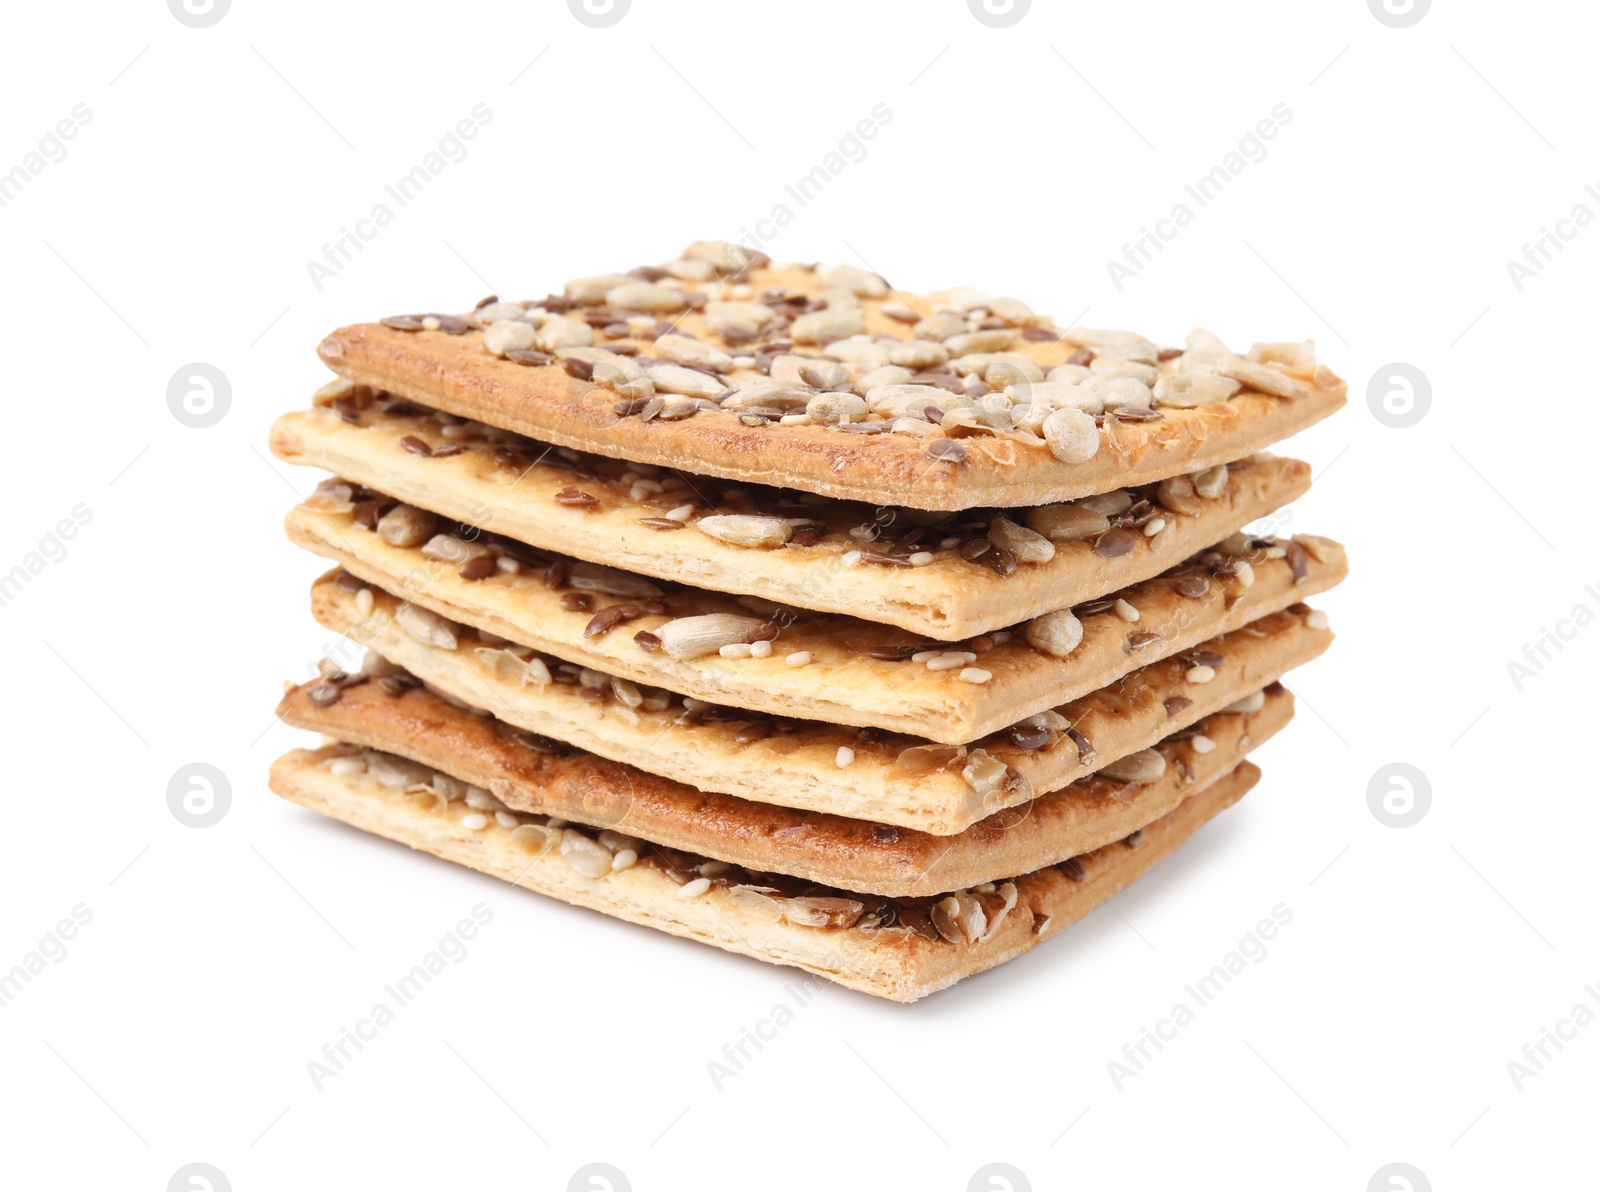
(177, 229)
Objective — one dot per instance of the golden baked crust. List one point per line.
(901, 962)
(517, 491)
(843, 682)
(851, 854)
(457, 373)
(890, 778)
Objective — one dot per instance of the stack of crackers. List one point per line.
(875, 634)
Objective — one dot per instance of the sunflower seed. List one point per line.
(1261, 377)
(509, 335)
(426, 627)
(592, 577)
(1178, 494)
(1140, 768)
(1212, 482)
(686, 382)
(1067, 523)
(1184, 390)
(1056, 633)
(685, 350)
(695, 637)
(836, 322)
(644, 296)
(407, 526)
(1071, 435)
(745, 529)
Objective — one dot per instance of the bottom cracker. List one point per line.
(901, 950)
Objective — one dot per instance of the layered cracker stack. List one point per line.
(879, 635)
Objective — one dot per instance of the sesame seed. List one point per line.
(695, 888)
(505, 819)
(844, 757)
(799, 658)
(475, 822)
(850, 558)
(1125, 610)
(1154, 526)
(1203, 744)
(925, 655)
(508, 565)
(921, 559)
(735, 650)
(626, 858)
(1316, 619)
(950, 660)
(1200, 674)
(975, 674)
(364, 602)
(682, 513)
(761, 649)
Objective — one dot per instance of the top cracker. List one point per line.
(832, 382)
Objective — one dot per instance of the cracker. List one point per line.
(962, 463)
(892, 949)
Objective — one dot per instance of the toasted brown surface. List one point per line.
(457, 374)
(831, 850)
(514, 487)
(844, 683)
(892, 778)
(893, 951)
